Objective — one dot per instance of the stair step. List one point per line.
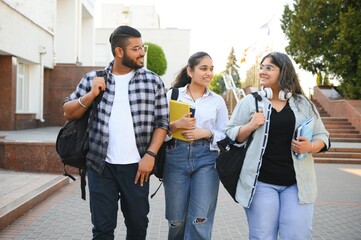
(338, 160)
(335, 126)
(320, 110)
(339, 123)
(338, 155)
(335, 118)
(357, 150)
(22, 198)
(343, 131)
(346, 135)
(342, 123)
(357, 140)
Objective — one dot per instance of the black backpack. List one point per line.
(72, 142)
(160, 158)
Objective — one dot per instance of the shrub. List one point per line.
(156, 60)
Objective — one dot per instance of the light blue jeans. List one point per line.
(191, 186)
(275, 211)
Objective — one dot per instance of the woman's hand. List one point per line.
(245, 131)
(257, 120)
(302, 145)
(185, 122)
(196, 133)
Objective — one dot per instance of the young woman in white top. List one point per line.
(190, 179)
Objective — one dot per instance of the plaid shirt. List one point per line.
(149, 109)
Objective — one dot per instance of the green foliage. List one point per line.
(326, 81)
(217, 84)
(232, 68)
(322, 79)
(318, 79)
(325, 36)
(156, 60)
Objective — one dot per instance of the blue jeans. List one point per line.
(117, 182)
(275, 211)
(191, 186)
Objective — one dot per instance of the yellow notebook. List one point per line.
(177, 110)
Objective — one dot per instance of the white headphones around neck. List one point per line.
(268, 93)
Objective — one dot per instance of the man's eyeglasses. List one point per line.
(268, 68)
(144, 48)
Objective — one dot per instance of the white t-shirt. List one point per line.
(122, 148)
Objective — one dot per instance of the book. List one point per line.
(176, 111)
(306, 130)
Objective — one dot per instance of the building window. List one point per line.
(22, 88)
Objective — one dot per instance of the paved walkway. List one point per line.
(64, 215)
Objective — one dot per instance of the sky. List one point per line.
(217, 26)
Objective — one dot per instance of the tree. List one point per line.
(156, 60)
(325, 36)
(318, 78)
(217, 84)
(232, 68)
(252, 77)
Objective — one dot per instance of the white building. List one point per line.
(38, 35)
(174, 42)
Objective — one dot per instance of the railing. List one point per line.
(237, 93)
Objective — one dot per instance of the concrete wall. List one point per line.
(17, 31)
(74, 42)
(54, 39)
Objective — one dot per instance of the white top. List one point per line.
(211, 112)
(122, 148)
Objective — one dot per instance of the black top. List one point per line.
(277, 164)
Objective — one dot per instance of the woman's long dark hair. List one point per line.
(288, 79)
(182, 78)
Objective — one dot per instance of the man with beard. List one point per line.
(125, 135)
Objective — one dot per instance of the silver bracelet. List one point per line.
(81, 104)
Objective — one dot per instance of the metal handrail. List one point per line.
(230, 85)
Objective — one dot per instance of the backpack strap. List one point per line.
(82, 172)
(257, 98)
(100, 73)
(175, 93)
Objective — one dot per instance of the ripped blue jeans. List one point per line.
(191, 186)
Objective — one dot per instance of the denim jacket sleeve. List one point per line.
(241, 115)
